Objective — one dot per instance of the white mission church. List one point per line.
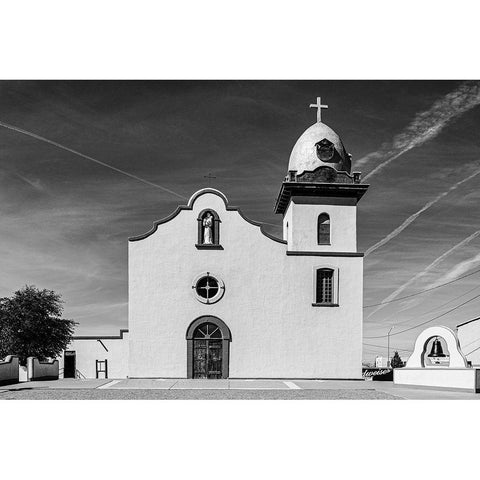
(211, 295)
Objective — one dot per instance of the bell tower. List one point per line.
(318, 198)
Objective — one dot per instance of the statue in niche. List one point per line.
(208, 229)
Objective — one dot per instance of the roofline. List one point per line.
(102, 337)
(469, 321)
(189, 206)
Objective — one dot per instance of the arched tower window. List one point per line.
(208, 229)
(323, 229)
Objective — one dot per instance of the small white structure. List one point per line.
(422, 371)
(381, 362)
(469, 336)
(212, 295)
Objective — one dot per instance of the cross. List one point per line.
(210, 177)
(319, 107)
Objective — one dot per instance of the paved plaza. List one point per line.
(176, 389)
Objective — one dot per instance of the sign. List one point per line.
(378, 374)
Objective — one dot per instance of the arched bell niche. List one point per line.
(449, 343)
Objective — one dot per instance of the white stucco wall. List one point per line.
(37, 370)
(465, 378)
(276, 332)
(302, 221)
(9, 370)
(89, 350)
(469, 337)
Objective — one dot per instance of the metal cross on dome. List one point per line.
(319, 107)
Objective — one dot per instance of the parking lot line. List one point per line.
(292, 385)
(109, 384)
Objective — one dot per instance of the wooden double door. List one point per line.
(207, 358)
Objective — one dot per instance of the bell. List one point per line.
(437, 350)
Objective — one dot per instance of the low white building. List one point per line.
(211, 295)
(469, 336)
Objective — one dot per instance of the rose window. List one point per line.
(208, 288)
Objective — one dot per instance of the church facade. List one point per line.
(212, 295)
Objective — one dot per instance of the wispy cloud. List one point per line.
(458, 270)
(87, 157)
(414, 216)
(35, 184)
(426, 125)
(428, 268)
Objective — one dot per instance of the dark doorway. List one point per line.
(69, 364)
(208, 348)
(207, 351)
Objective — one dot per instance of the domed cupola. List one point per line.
(319, 166)
(319, 146)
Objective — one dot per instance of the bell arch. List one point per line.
(226, 338)
(457, 358)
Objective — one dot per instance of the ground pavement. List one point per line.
(176, 389)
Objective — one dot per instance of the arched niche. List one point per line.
(457, 358)
(215, 229)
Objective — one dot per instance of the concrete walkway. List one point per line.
(218, 389)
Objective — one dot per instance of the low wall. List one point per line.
(454, 378)
(9, 370)
(37, 370)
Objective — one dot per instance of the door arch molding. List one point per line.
(226, 339)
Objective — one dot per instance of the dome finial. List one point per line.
(319, 107)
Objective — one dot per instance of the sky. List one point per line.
(66, 216)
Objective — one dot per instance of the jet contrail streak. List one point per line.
(426, 125)
(414, 216)
(63, 147)
(438, 260)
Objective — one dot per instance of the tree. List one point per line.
(31, 325)
(396, 362)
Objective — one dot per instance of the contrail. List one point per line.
(438, 260)
(458, 270)
(413, 217)
(63, 147)
(426, 125)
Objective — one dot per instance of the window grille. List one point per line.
(324, 285)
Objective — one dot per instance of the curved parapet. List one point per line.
(189, 206)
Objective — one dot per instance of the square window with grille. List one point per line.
(324, 285)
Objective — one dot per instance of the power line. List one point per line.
(433, 309)
(428, 321)
(423, 291)
(392, 348)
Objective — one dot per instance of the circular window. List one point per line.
(208, 288)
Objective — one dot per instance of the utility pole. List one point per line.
(388, 346)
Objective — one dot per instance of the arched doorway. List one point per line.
(208, 340)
